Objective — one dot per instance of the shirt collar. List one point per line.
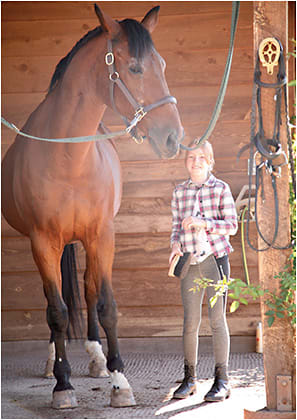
(209, 182)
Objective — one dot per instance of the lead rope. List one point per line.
(67, 139)
(224, 83)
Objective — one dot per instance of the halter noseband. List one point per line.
(139, 111)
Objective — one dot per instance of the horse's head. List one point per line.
(138, 88)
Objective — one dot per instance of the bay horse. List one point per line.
(57, 193)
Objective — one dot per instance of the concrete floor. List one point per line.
(152, 369)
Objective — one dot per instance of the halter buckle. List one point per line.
(139, 113)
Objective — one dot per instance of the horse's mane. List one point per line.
(139, 42)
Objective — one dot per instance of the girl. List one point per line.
(203, 217)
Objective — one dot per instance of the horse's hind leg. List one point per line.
(57, 317)
(97, 365)
(100, 300)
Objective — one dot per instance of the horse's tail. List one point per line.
(70, 292)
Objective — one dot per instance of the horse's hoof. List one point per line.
(97, 371)
(49, 369)
(122, 398)
(64, 399)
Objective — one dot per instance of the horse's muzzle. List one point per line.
(166, 147)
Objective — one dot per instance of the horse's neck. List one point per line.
(76, 105)
(74, 114)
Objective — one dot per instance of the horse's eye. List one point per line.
(135, 69)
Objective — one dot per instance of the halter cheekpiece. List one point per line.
(139, 111)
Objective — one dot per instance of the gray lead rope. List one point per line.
(82, 139)
(221, 95)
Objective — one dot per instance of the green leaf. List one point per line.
(240, 283)
(237, 292)
(243, 300)
(280, 314)
(270, 321)
(270, 313)
(234, 306)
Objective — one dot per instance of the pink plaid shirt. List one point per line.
(216, 207)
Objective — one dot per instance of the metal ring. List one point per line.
(114, 76)
(109, 58)
(140, 141)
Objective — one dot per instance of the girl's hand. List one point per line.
(175, 251)
(193, 221)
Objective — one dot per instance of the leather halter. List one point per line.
(139, 111)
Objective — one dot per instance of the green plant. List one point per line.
(280, 304)
(283, 304)
(239, 290)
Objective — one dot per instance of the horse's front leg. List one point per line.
(97, 365)
(47, 257)
(49, 368)
(99, 297)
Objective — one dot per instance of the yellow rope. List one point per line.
(246, 272)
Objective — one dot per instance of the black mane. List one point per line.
(139, 41)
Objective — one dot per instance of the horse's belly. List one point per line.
(9, 208)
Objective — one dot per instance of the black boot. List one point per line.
(189, 384)
(220, 389)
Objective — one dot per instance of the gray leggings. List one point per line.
(192, 303)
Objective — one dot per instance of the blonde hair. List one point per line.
(208, 150)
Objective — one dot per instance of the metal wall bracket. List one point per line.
(269, 52)
(284, 393)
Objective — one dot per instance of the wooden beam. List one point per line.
(271, 20)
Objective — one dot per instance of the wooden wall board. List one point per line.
(133, 251)
(151, 287)
(132, 322)
(41, 11)
(31, 39)
(33, 74)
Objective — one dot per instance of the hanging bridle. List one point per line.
(268, 149)
(139, 111)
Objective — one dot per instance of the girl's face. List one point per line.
(197, 164)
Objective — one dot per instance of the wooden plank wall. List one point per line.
(193, 37)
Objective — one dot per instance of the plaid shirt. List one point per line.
(216, 207)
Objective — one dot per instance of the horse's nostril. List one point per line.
(172, 143)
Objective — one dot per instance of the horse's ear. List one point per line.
(108, 25)
(150, 20)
